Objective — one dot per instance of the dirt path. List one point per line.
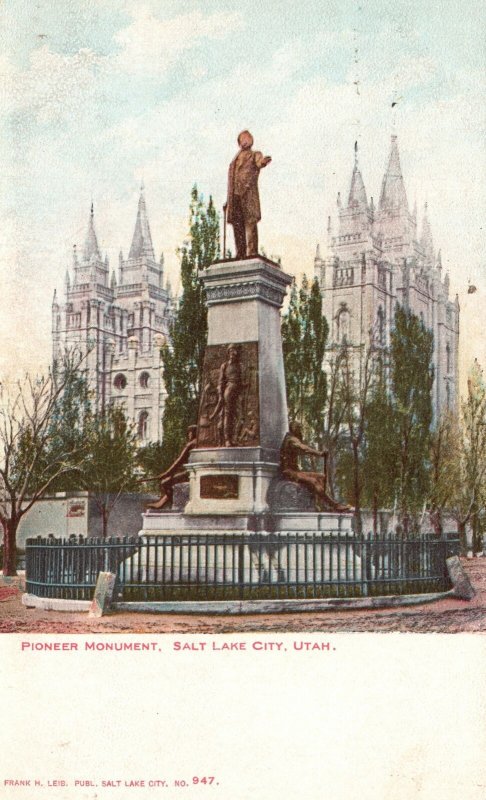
(445, 616)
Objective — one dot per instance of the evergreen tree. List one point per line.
(412, 376)
(304, 337)
(183, 358)
(291, 346)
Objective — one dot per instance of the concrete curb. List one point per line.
(241, 607)
(54, 603)
(233, 607)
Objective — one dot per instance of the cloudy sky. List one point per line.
(99, 94)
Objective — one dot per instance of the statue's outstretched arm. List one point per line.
(261, 160)
(296, 444)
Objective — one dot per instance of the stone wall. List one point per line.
(67, 514)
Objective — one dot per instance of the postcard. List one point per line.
(242, 399)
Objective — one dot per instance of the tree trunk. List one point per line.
(375, 512)
(477, 538)
(357, 492)
(436, 521)
(10, 547)
(104, 521)
(461, 528)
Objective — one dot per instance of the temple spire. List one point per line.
(426, 240)
(91, 242)
(357, 192)
(439, 261)
(142, 238)
(393, 195)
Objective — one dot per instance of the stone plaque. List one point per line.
(229, 414)
(218, 487)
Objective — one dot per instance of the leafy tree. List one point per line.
(304, 337)
(291, 346)
(412, 376)
(109, 466)
(467, 483)
(34, 453)
(183, 358)
(150, 457)
(445, 468)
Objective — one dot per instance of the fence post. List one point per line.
(241, 570)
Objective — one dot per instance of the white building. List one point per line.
(376, 260)
(123, 321)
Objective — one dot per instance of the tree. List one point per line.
(150, 457)
(468, 482)
(34, 454)
(412, 377)
(304, 337)
(66, 430)
(357, 376)
(334, 438)
(378, 457)
(183, 358)
(109, 466)
(445, 468)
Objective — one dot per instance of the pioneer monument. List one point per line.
(239, 472)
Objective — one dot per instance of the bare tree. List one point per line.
(32, 454)
(335, 412)
(358, 373)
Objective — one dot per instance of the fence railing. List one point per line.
(250, 566)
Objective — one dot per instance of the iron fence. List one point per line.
(250, 566)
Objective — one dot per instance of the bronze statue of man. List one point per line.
(229, 389)
(316, 482)
(243, 204)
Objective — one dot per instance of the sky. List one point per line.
(98, 95)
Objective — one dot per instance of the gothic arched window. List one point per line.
(144, 380)
(120, 382)
(448, 358)
(343, 325)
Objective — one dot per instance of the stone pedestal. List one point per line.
(240, 429)
(236, 488)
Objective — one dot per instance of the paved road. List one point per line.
(445, 616)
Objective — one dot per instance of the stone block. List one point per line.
(462, 586)
(103, 594)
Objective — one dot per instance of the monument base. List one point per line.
(241, 551)
(173, 523)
